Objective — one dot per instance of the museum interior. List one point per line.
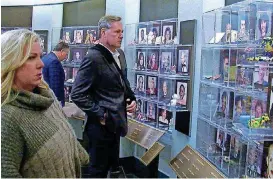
(200, 71)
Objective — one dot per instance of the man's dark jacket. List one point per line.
(53, 74)
(99, 88)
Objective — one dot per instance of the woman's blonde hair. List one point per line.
(15, 49)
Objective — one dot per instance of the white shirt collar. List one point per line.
(115, 54)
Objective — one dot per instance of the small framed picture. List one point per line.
(223, 103)
(77, 55)
(44, 39)
(153, 33)
(142, 35)
(244, 77)
(67, 34)
(78, 36)
(151, 110)
(243, 32)
(184, 56)
(141, 60)
(168, 32)
(152, 60)
(261, 76)
(140, 112)
(258, 108)
(267, 163)
(270, 97)
(151, 86)
(164, 90)
(91, 35)
(254, 161)
(164, 118)
(263, 25)
(68, 73)
(140, 85)
(166, 61)
(182, 91)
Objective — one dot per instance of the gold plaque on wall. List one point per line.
(152, 153)
(143, 135)
(190, 164)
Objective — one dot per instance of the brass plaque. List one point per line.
(190, 164)
(143, 135)
(152, 153)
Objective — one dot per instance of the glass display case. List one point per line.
(235, 125)
(79, 38)
(159, 71)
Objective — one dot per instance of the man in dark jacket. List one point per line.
(102, 91)
(53, 72)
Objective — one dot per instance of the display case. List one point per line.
(159, 71)
(235, 120)
(79, 39)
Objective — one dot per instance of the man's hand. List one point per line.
(131, 107)
(102, 120)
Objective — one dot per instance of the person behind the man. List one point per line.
(53, 72)
(102, 91)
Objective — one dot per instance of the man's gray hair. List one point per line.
(105, 21)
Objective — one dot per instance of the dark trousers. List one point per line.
(103, 150)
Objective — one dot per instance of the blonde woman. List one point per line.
(37, 141)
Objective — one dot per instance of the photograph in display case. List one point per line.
(68, 73)
(263, 25)
(142, 34)
(229, 65)
(91, 36)
(164, 118)
(184, 59)
(140, 85)
(152, 60)
(270, 97)
(154, 31)
(168, 32)
(44, 39)
(164, 90)
(223, 104)
(67, 35)
(78, 36)
(244, 77)
(141, 60)
(75, 71)
(237, 149)
(222, 140)
(252, 20)
(151, 112)
(166, 61)
(140, 113)
(182, 91)
(67, 92)
(258, 108)
(261, 76)
(243, 34)
(267, 166)
(77, 55)
(254, 161)
(151, 89)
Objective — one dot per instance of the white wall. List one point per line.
(209, 5)
(46, 18)
(31, 2)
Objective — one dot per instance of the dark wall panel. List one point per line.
(229, 2)
(83, 13)
(20, 16)
(158, 10)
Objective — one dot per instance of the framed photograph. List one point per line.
(235, 149)
(267, 164)
(77, 55)
(263, 25)
(67, 34)
(221, 138)
(168, 32)
(184, 59)
(78, 36)
(258, 108)
(68, 73)
(151, 86)
(141, 60)
(243, 32)
(182, 91)
(165, 89)
(244, 77)
(142, 34)
(140, 112)
(152, 60)
(270, 97)
(166, 61)
(224, 55)
(90, 35)
(44, 40)
(140, 85)
(164, 118)
(154, 31)
(151, 110)
(261, 76)
(223, 104)
(254, 161)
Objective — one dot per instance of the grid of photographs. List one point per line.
(80, 36)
